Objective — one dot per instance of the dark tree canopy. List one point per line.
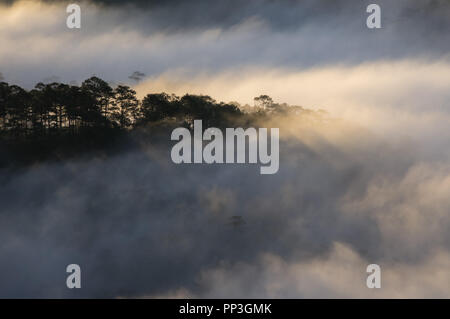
(58, 109)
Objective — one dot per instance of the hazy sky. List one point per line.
(117, 38)
(371, 186)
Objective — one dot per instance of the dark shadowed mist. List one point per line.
(139, 225)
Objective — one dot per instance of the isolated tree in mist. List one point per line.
(136, 76)
(263, 101)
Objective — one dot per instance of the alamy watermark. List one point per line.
(235, 144)
(74, 19)
(374, 19)
(74, 279)
(374, 279)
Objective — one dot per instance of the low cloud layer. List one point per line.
(339, 274)
(413, 104)
(140, 226)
